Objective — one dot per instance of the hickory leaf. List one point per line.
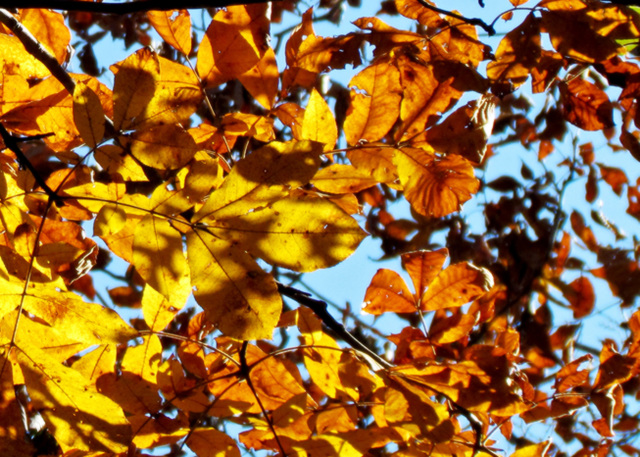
(236, 294)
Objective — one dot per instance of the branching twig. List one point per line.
(473, 21)
(124, 8)
(320, 308)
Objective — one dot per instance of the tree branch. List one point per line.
(320, 308)
(473, 21)
(124, 8)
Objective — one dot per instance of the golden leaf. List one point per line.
(209, 442)
(423, 267)
(342, 179)
(165, 147)
(234, 291)
(49, 29)
(88, 114)
(375, 103)
(77, 415)
(134, 86)
(174, 27)
(318, 123)
(299, 233)
(265, 175)
(261, 81)
(158, 256)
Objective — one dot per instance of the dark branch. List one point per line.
(320, 308)
(124, 8)
(473, 21)
(12, 143)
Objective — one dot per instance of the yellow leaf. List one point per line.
(158, 311)
(76, 414)
(49, 29)
(109, 221)
(88, 114)
(246, 124)
(165, 147)
(275, 381)
(302, 234)
(533, 450)
(174, 27)
(158, 256)
(234, 42)
(265, 175)
(116, 161)
(342, 179)
(455, 286)
(261, 81)
(318, 123)
(234, 291)
(435, 186)
(377, 162)
(134, 86)
(375, 103)
(388, 293)
(355, 443)
(209, 442)
(15, 60)
(13, 430)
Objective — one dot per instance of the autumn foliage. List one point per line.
(225, 156)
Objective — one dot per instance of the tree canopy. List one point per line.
(225, 156)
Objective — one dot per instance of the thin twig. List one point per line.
(320, 308)
(124, 8)
(472, 21)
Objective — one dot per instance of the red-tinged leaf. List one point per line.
(581, 297)
(435, 186)
(375, 103)
(584, 233)
(571, 376)
(517, 53)
(614, 368)
(585, 105)
(209, 442)
(174, 27)
(423, 267)
(615, 177)
(388, 293)
(591, 186)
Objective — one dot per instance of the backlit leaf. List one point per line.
(455, 286)
(318, 122)
(388, 293)
(261, 81)
(342, 179)
(49, 29)
(435, 186)
(302, 234)
(586, 106)
(174, 27)
(158, 256)
(209, 442)
(88, 115)
(76, 414)
(265, 175)
(165, 147)
(375, 103)
(234, 291)
(423, 267)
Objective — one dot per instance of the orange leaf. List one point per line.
(375, 103)
(455, 286)
(435, 186)
(581, 297)
(174, 27)
(235, 41)
(165, 147)
(342, 179)
(209, 442)
(261, 81)
(49, 29)
(388, 293)
(423, 267)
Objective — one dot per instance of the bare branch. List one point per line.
(473, 21)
